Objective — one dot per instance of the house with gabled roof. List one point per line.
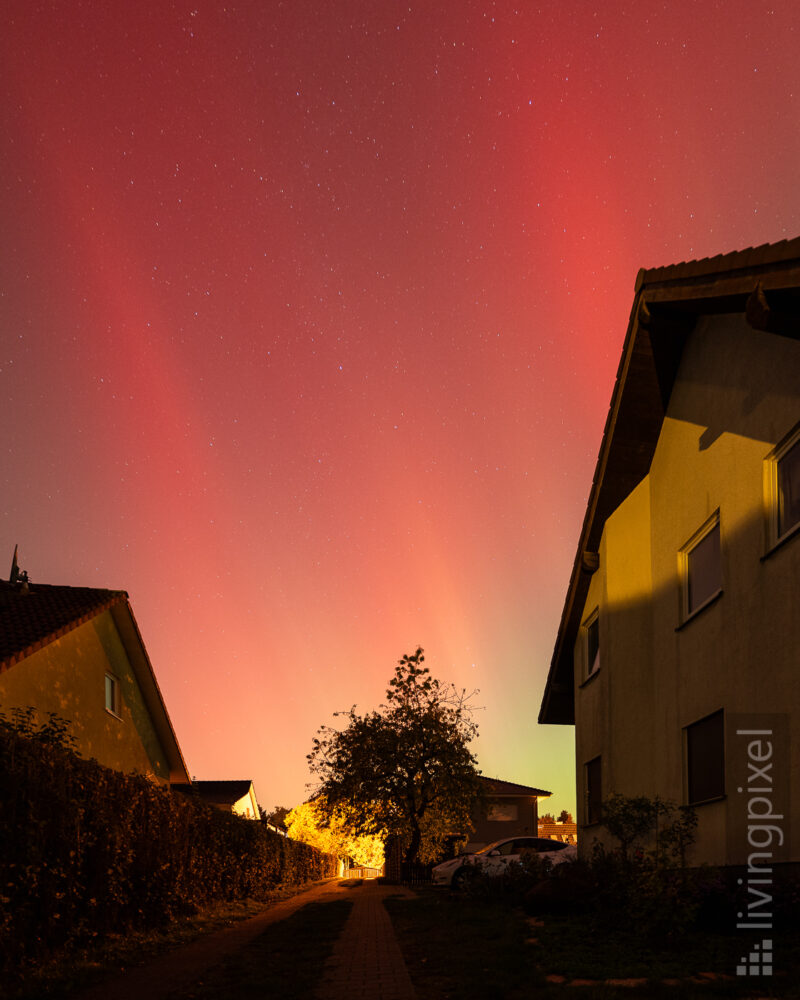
(507, 809)
(77, 652)
(504, 809)
(234, 796)
(676, 654)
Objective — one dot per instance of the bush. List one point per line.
(569, 888)
(515, 881)
(638, 896)
(88, 851)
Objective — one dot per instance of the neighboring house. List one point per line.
(77, 652)
(238, 797)
(508, 810)
(567, 833)
(677, 652)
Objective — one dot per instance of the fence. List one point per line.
(413, 873)
(361, 871)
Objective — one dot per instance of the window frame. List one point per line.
(495, 808)
(594, 765)
(772, 491)
(716, 793)
(589, 623)
(114, 708)
(711, 524)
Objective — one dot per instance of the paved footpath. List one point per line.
(366, 962)
(179, 968)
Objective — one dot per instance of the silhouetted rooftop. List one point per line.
(495, 786)
(222, 792)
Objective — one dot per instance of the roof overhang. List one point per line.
(762, 283)
(151, 693)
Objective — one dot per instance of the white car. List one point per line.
(495, 858)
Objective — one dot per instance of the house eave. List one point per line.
(151, 693)
(764, 284)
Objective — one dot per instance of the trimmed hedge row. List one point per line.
(85, 851)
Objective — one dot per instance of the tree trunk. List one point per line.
(413, 845)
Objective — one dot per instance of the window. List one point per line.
(501, 812)
(789, 489)
(701, 567)
(506, 848)
(593, 643)
(526, 844)
(112, 694)
(705, 759)
(593, 791)
(544, 844)
(783, 487)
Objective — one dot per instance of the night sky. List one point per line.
(309, 319)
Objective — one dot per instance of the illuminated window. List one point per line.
(112, 694)
(593, 790)
(705, 759)
(783, 487)
(701, 567)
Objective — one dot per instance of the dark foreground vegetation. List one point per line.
(634, 921)
(467, 946)
(88, 852)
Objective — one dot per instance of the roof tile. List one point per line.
(34, 617)
(495, 786)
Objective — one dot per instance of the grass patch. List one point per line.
(67, 972)
(577, 947)
(583, 946)
(285, 961)
(457, 947)
(461, 948)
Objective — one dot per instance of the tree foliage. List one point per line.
(328, 830)
(405, 769)
(277, 817)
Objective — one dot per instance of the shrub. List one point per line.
(513, 883)
(88, 851)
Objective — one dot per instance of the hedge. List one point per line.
(86, 851)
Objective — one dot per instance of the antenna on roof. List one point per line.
(18, 577)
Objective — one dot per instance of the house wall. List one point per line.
(247, 806)
(67, 677)
(735, 397)
(487, 830)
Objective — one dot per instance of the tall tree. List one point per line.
(405, 769)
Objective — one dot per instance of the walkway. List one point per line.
(177, 969)
(366, 962)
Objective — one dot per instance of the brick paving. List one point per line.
(366, 962)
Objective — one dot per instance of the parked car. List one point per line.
(495, 858)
